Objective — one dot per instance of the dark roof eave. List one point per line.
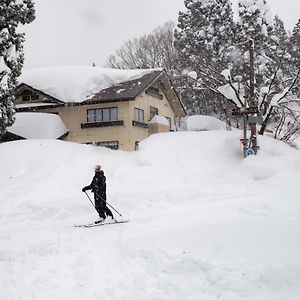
(87, 102)
(33, 108)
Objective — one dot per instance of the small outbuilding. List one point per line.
(36, 126)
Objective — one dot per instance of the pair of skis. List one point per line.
(114, 221)
(102, 223)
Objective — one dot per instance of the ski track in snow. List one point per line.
(204, 223)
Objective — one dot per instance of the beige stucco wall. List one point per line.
(74, 116)
(144, 101)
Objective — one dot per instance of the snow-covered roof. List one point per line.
(159, 120)
(77, 83)
(204, 123)
(38, 126)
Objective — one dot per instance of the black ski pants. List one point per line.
(101, 207)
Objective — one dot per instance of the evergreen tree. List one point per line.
(204, 32)
(210, 43)
(295, 45)
(277, 66)
(203, 37)
(279, 39)
(255, 23)
(13, 13)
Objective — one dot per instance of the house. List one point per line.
(105, 107)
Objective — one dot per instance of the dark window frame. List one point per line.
(153, 112)
(114, 145)
(140, 115)
(155, 92)
(27, 97)
(94, 112)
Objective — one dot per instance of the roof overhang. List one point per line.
(172, 96)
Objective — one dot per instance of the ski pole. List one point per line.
(110, 206)
(114, 209)
(90, 199)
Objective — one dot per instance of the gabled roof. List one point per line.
(128, 90)
(49, 99)
(75, 84)
(131, 89)
(86, 85)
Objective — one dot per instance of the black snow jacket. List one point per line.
(98, 185)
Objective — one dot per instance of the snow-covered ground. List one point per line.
(204, 223)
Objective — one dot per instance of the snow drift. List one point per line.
(205, 223)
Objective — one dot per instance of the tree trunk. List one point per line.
(266, 121)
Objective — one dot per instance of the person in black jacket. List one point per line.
(98, 187)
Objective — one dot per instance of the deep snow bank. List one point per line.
(204, 222)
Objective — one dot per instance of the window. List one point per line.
(28, 96)
(136, 145)
(153, 91)
(153, 112)
(139, 115)
(102, 115)
(109, 144)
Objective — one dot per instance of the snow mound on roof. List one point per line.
(159, 120)
(38, 126)
(77, 83)
(204, 123)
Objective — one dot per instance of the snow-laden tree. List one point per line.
(203, 35)
(255, 21)
(204, 32)
(254, 24)
(216, 49)
(295, 44)
(276, 80)
(13, 13)
(283, 97)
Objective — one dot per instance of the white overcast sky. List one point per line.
(80, 32)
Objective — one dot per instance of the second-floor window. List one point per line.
(30, 97)
(153, 112)
(139, 115)
(155, 92)
(102, 115)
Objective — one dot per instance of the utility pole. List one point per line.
(252, 98)
(245, 144)
(250, 110)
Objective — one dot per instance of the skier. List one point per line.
(98, 187)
